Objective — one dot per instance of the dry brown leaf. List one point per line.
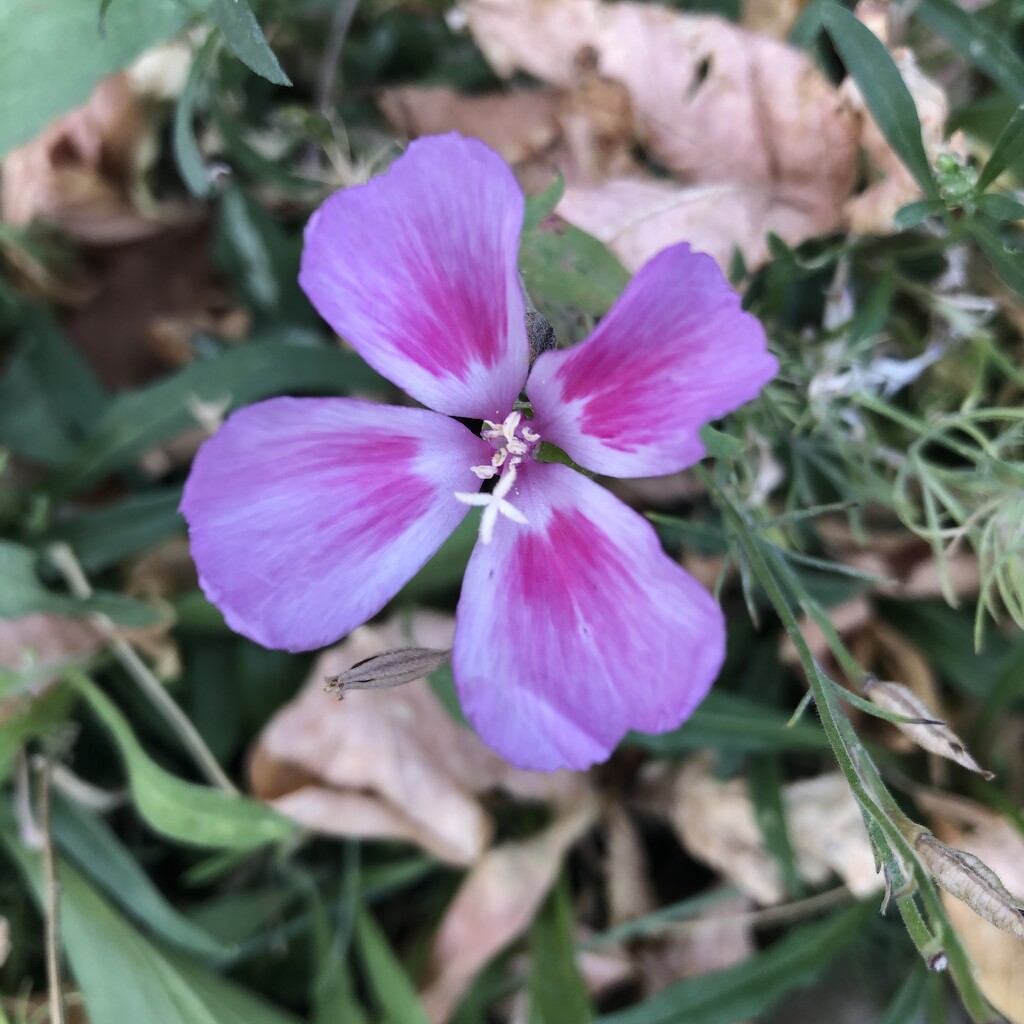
(721, 937)
(520, 125)
(772, 17)
(716, 823)
(627, 879)
(388, 763)
(80, 172)
(496, 903)
(37, 641)
(5, 940)
(748, 122)
(938, 739)
(997, 956)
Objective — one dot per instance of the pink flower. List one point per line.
(307, 515)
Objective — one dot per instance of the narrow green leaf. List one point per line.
(558, 994)
(102, 537)
(138, 420)
(22, 593)
(53, 54)
(908, 1003)
(125, 978)
(182, 810)
(720, 446)
(1008, 263)
(246, 39)
(725, 721)
(27, 717)
(980, 44)
(190, 161)
(539, 206)
(49, 396)
(748, 990)
(387, 979)
(1001, 207)
(764, 779)
(87, 841)
(884, 91)
(1008, 149)
(912, 214)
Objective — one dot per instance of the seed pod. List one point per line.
(390, 668)
(970, 879)
(936, 738)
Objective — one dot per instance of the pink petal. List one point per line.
(674, 352)
(417, 269)
(577, 627)
(307, 515)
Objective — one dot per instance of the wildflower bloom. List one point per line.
(307, 515)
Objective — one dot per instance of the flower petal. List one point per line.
(417, 269)
(673, 353)
(576, 627)
(307, 515)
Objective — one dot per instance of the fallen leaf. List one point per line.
(496, 903)
(81, 173)
(938, 739)
(40, 641)
(627, 879)
(388, 763)
(5, 940)
(716, 823)
(720, 937)
(698, 85)
(519, 125)
(772, 17)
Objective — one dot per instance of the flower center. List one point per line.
(512, 443)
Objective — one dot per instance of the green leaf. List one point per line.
(49, 397)
(1000, 207)
(123, 977)
(912, 214)
(21, 593)
(191, 165)
(884, 91)
(748, 990)
(539, 206)
(981, 45)
(1007, 150)
(95, 850)
(52, 55)
(387, 979)
(102, 537)
(725, 721)
(182, 810)
(558, 994)
(1008, 263)
(764, 780)
(246, 39)
(27, 717)
(567, 267)
(908, 1003)
(720, 446)
(140, 419)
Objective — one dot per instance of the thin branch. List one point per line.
(51, 896)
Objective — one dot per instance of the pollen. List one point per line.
(511, 447)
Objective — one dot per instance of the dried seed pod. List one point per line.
(391, 668)
(937, 739)
(971, 880)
